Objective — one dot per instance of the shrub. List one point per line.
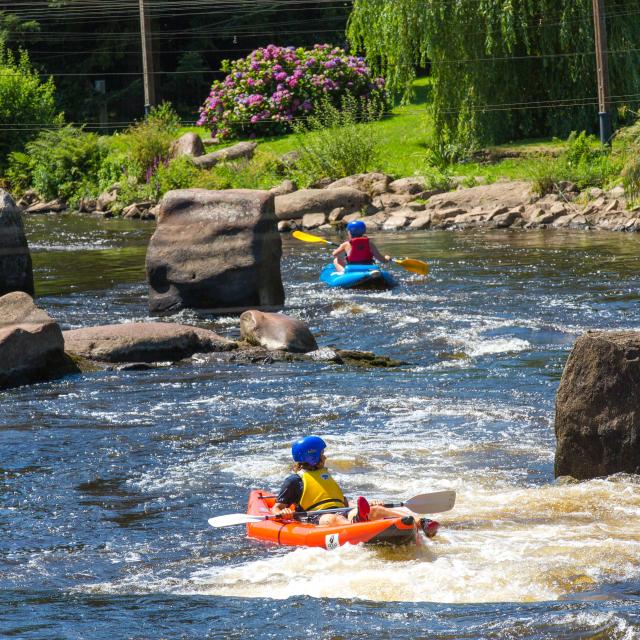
(60, 162)
(584, 163)
(335, 143)
(630, 155)
(263, 171)
(136, 154)
(25, 101)
(267, 91)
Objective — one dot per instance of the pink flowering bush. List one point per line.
(264, 93)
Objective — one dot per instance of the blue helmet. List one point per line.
(308, 450)
(357, 228)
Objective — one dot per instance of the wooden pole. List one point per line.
(101, 88)
(602, 67)
(147, 59)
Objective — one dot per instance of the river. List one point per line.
(108, 478)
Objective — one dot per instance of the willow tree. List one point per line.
(502, 69)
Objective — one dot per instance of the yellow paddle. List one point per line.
(410, 264)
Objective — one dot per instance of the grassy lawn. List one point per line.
(404, 138)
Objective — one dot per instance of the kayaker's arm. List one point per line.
(343, 248)
(376, 253)
(282, 509)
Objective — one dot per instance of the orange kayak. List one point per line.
(391, 531)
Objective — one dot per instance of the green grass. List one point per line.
(406, 134)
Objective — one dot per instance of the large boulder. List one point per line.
(16, 272)
(295, 205)
(276, 332)
(598, 406)
(217, 250)
(143, 342)
(189, 144)
(31, 343)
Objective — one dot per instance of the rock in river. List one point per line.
(275, 331)
(143, 342)
(15, 260)
(217, 250)
(598, 406)
(31, 343)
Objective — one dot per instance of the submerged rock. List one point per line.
(275, 331)
(31, 343)
(597, 421)
(247, 354)
(143, 342)
(16, 273)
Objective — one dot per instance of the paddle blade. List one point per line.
(416, 266)
(233, 519)
(435, 502)
(307, 237)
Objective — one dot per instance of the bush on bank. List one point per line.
(273, 87)
(74, 164)
(26, 102)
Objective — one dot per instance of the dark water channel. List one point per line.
(108, 478)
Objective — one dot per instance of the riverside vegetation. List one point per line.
(347, 132)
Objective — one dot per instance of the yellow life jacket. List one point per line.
(320, 491)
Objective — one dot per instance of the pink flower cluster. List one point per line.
(273, 86)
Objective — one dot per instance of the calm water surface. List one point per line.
(108, 479)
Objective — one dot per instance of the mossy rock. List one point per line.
(367, 359)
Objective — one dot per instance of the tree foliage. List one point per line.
(78, 42)
(502, 69)
(26, 102)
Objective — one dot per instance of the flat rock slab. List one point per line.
(295, 205)
(249, 354)
(143, 342)
(242, 150)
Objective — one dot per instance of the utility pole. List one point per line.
(602, 66)
(147, 59)
(100, 87)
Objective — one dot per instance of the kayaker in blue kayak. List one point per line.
(358, 249)
(311, 488)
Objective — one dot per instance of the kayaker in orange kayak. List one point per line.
(358, 249)
(311, 488)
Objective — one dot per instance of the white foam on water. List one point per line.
(500, 345)
(519, 545)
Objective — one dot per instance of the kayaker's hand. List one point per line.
(387, 258)
(285, 513)
(376, 503)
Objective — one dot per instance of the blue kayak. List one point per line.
(363, 276)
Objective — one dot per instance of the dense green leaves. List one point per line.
(502, 69)
(26, 102)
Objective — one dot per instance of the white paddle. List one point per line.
(435, 502)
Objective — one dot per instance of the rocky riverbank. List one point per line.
(388, 204)
(407, 204)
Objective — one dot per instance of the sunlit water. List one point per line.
(108, 478)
